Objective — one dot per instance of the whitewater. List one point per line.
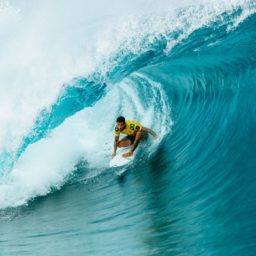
(185, 70)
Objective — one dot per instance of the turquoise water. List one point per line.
(187, 73)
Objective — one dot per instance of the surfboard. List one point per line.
(119, 160)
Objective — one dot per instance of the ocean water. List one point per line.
(186, 70)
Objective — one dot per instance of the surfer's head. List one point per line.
(120, 123)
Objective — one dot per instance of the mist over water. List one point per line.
(186, 70)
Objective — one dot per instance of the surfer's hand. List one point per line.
(114, 154)
(127, 154)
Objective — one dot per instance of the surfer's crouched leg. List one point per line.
(125, 142)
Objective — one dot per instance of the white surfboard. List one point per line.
(119, 160)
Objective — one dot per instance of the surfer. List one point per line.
(135, 133)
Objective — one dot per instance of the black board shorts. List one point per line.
(131, 138)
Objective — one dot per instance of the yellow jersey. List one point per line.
(131, 127)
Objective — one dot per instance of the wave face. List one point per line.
(190, 75)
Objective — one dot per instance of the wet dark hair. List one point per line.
(120, 119)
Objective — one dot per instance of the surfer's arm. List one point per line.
(151, 132)
(115, 144)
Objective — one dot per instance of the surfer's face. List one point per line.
(120, 125)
